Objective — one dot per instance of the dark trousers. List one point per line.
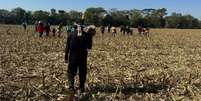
(25, 28)
(54, 33)
(41, 34)
(102, 31)
(47, 33)
(73, 67)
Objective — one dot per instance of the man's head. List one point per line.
(78, 27)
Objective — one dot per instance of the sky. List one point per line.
(192, 7)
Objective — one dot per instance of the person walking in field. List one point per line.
(77, 46)
(40, 28)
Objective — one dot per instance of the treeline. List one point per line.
(154, 18)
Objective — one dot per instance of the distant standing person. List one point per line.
(36, 25)
(78, 43)
(47, 29)
(114, 31)
(54, 31)
(102, 29)
(24, 24)
(140, 29)
(60, 29)
(108, 29)
(40, 28)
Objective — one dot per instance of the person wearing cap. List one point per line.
(76, 52)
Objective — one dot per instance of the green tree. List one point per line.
(136, 17)
(173, 21)
(155, 18)
(162, 13)
(18, 14)
(41, 15)
(4, 16)
(94, 15)
(74, 16)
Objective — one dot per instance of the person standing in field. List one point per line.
(36, 25)
(102, 28)
(114, 31)
(140, 29)
(54, 31)
(59, 29)
(47, 29)
(77, 46)
(108, 28)
(40, 28)
(24, 24)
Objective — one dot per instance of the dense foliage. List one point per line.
(155, 18)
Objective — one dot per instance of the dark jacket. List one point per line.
(76, 46)
(47, 28)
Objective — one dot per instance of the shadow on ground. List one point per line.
(128, 88)
(125, 89)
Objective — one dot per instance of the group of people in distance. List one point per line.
(41, 27)
(126, 30)
(109, 28)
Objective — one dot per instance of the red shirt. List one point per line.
(40, 28)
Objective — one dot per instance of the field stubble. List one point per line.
(165, 66)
